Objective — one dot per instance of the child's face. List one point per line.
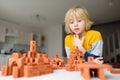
(77, 25)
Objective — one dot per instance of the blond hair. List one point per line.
(78, 12)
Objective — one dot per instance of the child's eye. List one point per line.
(71, 22)
(79, 20)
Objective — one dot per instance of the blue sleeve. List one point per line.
(86, 55)
(96, 48)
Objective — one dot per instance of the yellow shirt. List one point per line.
(92, 42)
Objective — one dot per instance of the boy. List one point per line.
(89, 42)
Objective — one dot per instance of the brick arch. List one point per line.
(14, 63)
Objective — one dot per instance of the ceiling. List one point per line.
(45, 13)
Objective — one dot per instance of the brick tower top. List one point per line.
(33, 46)
(32, 52)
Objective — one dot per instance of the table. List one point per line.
(62, 75)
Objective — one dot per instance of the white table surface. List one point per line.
(62, 75)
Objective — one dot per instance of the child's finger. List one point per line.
(74, 36)
(77, 36)
(100, 58)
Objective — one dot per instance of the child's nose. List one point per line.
(75, 24)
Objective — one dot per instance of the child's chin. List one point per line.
(77, 33)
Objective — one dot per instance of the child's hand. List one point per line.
(79, 43)
(99, 60)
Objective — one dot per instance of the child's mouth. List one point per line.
(77, 29)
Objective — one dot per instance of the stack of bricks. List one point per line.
(30, 64)
(35, 70)
(91, 69)
(4, 70)
(75, 58)
(57, 63)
